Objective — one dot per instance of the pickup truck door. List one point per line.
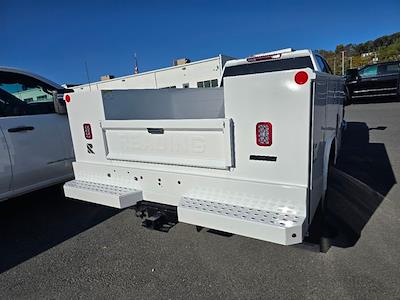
(367, 82)
(389, 75)
(5, 166)
(376, 80)
(38, 139)
(36, 147)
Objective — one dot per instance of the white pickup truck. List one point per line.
(249, 158)
(35, 141)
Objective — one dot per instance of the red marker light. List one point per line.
(87, 129)
(264, 134)
(67, 98)
(301, 77)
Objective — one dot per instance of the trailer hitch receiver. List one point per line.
(156, 216)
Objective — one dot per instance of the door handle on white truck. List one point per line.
(155, 130)
(21, 128)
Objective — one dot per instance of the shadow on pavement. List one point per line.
(358, 184)
(365, 161)
(33, 223)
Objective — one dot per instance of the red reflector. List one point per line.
(88, 131)
(264, 134)
(301, 77)
(67, 98)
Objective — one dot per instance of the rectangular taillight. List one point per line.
(87, 129)
(264, 134)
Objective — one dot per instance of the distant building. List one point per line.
(181, 61)
(33, 95)
(198, 74)
(367, 54)
(106, 77)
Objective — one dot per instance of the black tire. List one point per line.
(320, 231)
(347, 100)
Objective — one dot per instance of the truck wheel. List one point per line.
(320, 231)
(347, 100)
(327, 231)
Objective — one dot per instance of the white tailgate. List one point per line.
(201, 142)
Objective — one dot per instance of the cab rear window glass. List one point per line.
(270, 66)
(392, 69)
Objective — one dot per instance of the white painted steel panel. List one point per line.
(271, 97)
(198, 143)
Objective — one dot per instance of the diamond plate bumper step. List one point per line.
(277, 227)
(105, 194)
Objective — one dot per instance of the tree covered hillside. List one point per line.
(385, 48)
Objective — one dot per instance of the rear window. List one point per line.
(270, 66)
(390, 69)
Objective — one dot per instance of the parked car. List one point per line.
(373, 81)
(35, 141)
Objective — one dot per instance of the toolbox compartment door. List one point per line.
(204, 143)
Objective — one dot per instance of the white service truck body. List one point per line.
(249, 158)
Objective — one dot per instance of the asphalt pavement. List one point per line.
(51, 247)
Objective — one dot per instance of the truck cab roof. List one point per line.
(8, 73)
(279, 60)
(273, 55)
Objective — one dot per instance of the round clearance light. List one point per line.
(301, 77)
(67, 98)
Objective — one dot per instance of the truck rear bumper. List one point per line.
(262, 210)
(246, 218)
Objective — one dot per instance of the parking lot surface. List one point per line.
(51, 247)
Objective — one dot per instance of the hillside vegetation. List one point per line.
(385, 48)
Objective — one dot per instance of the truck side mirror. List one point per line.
(352, 74)
(59, 103)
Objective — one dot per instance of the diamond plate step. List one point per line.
(105, 194)
(281, 228)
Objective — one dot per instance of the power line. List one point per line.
(87, 74)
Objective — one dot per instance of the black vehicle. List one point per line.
(373, 82)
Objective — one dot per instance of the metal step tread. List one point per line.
(100, 187)
(242, 212)
(100, 193)
(255, 222)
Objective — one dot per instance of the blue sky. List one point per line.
(55, 38)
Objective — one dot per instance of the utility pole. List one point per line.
(342, 63)
(351, 62)
(334, 65)
(136, 68)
